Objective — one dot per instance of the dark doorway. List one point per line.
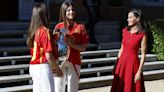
(116, 3)
(9, 10)
(39, 0)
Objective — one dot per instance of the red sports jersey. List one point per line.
(42, 44)
(79, 34)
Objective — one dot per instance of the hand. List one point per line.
(137, 76)
(113, 71)
(69, 40)
(57, 35)
(58, 72)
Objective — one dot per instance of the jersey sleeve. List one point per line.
(84, 35)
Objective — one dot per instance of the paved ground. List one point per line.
(151, 86)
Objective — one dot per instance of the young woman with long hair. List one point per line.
(76, 39)
(42, 63)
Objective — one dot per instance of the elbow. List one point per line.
(83, 49)
(48, 58)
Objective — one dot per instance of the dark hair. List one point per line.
(142, 24)
(62, 15)
(40, 17)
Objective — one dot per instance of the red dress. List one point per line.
(128, 64)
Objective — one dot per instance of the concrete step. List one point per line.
(11, 68)
(14, 51)
(6, 51)
(148, 66)
(89, 62)
(14, 60)
(13, 34)
(9, 58)
(84, 83)
(23, 50)
(19, 25)
(107, 53)
(23, 88)
(14, 26)
(154, 74)
(14, 78)
(9, 51)
(111, 45)
(12, 42)
(14, 23)
(107, 80)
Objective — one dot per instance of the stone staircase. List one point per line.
(95, 72)
(96, 65)
(13, 37)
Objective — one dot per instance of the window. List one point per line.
(148, 2)
(153, 0)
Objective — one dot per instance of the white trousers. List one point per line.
(70, 78)
(42, 77)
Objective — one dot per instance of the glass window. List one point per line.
(148, 2)
(153, 0)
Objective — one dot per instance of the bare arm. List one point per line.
(143, 52)
(79, 47)
(120, 51)
(143, 57)
(53, 63)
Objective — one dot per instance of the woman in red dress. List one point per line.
(128, 76)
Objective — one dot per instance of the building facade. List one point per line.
(20, 10)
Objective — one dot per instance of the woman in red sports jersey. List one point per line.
(76, 39)
(42, 60)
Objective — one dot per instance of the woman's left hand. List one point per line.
(69, 40)
(137, 76)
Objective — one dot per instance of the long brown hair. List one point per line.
(142, 24)
(40, 17)
(62, 15)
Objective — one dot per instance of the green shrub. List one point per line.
(157, 29)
